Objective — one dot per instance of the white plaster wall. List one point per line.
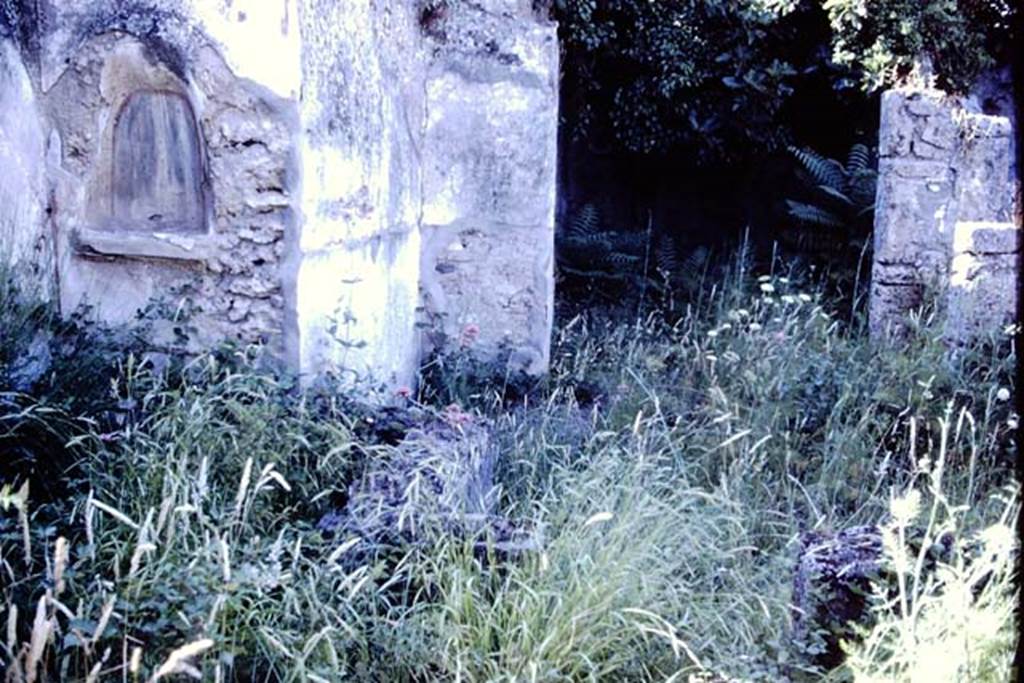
(259, 39)
(23, 239)
(230, 271)
(358, 252)
(490, 164)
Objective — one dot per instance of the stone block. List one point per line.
(489, 181)
(983, 286)
(945, 196)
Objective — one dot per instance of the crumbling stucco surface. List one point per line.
(22, 175)
(362, 114)
(945, 195)
(489, 180)
(228, 264)
(316, 156)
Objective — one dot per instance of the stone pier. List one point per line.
(945, 218)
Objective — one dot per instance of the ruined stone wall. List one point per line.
(212, 253)
(23, 226)
(362, 119)
(944, 219)
(489, 181)
(285, 171)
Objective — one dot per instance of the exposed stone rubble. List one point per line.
(945, 197)
(437, 479)
(831, 586)
(835, 577)
(338, 148)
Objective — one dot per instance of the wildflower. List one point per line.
(712, 333)
(755, 327)
(764, 278)
(806, 298)
(1003, 394)
(455, 416)
(469, 335)
(788, 299)
(904, 510)
(1013, 422)
(403, 392)
(767, 287)
(784, 280)
(998, 539)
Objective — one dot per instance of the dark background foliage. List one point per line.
(678, 115)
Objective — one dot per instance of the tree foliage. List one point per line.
(713, 76)
(882, 39)
(708, 74)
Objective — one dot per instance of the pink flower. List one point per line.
(469, 335)
(456, 416)
(403, 392)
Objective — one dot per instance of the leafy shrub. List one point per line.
(655, 75)
(883, 39)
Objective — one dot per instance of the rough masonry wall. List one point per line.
(267, 168)
(489, 180)
(224, 270)
(362, 119)
(944, 215)
(23, 228)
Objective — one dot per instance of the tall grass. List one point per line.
(666, 469)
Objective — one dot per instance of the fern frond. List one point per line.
(630, 242)
(813, 215)
(691, 271)
(825, 171)
(863, 187)
(619, 259)
(666, 257)
(696, 260)
(859, 159)
(836, 194)
(587, 221)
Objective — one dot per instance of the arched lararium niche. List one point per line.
(156, 174)
(131, 139)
